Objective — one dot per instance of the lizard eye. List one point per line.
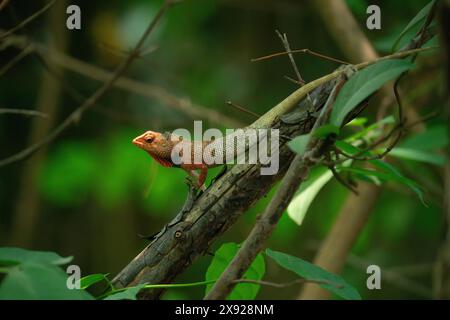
(149, 139)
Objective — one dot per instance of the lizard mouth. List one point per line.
(138, 142)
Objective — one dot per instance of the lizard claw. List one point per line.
(194, 184)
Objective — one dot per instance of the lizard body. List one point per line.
(160, 145)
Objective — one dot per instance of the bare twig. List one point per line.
(294, 81)
(75, 115)
(339, 179)
(28, 20)
(25, 52)
(123, 53)
(285, 42)
(314, 53)
(23, 112)
(146, 90)
(241, 108)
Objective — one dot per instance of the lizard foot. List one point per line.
(194, 184)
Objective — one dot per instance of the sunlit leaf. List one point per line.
(222, 257)
(362, 84)
(92, 279)
(326, 130)
(309, 189)
(357, 122)
(299, 144)
(309, 271)
(127, 294)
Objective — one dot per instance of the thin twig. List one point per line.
(241, 108)
(285, 42)
(295, 81)
(137, 87)
(23, 112)
(287, 47)
(422, 120)
(339, 179)
(75, 115)
(123, 53)
(314, 53)
(358, 155)
(25, 52)
(28, 20)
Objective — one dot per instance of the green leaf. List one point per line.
(309, 271)
(350, 149)
(309, 189)
(389, 171)
(92, 279)
(39, 280)
(434, 138)
(299, 144)
(413, 24)
(326, 130)
(363, 84)
(129, 293)
(242, 291)
(12, 256)
(384, 176)
(357, 122)
(418, 155)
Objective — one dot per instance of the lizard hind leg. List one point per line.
(198, 178)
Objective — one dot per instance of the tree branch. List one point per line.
(146, 90)
(23, 112)
(28, 20)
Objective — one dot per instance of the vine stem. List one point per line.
(159, 286)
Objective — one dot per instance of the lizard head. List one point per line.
(149, 141)
(158, 145)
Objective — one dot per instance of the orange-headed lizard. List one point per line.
(203, 154)
(160, 145)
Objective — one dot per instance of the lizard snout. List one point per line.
(138, 142)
